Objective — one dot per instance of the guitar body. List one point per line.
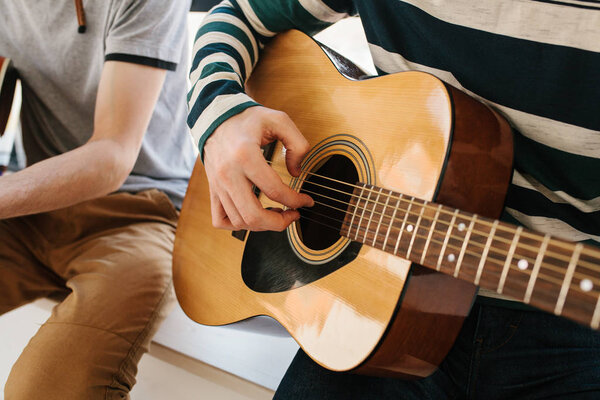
(349, 306)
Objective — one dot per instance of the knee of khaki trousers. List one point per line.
(90, 346)
(55, 365)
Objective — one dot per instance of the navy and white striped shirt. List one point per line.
(537, 62)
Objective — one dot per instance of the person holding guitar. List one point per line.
(536, 63)
(91, 219)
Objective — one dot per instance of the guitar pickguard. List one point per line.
(269, 264)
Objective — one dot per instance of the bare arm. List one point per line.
(126, 98)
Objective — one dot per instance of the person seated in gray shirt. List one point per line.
(91, 219)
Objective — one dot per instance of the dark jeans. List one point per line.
(501, 353)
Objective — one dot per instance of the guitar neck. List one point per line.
(548, 273)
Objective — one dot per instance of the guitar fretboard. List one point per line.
(551, 274)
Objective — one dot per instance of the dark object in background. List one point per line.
(203, 5)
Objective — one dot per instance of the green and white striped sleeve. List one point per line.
(227, 47)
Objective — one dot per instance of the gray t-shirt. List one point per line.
(60, 71)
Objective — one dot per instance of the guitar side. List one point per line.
(362, 316)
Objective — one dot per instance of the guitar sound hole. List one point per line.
(330, 186)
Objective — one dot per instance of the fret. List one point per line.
(414, 235)
(362, 214)
(422, 230)
(509, 258)
(583, 297)
(521, 268)
(354, 212)
(371, 216)
(438, 236)
(383, 211)
(536, 269)
(492, 254)
(552, 270)
(578, 298)
(495, 258)
(567, 281)
(387, 234)
(439, 262)
(455, 244)
(402, 227)
(486, 250)
(431, 229)
(408, 233)
(468, 263)
(464, 246)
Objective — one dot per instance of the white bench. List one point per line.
(258, 350)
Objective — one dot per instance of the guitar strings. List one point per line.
(494, 250)
(521, 246)
(541, 276)
(511, 230)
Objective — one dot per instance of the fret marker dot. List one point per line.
(586, 285)
(451, 257)
(522, 264)
(410, 228)
(461, 227)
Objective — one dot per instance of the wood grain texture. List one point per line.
(434, 305)
(406, 122)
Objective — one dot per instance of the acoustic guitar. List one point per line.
(408, 175)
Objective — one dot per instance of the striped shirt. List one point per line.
(537, 62)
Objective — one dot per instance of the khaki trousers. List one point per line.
(110, 261)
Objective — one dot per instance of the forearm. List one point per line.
(92, 170)
(127, 94)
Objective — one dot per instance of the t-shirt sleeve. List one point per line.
(147, 32)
